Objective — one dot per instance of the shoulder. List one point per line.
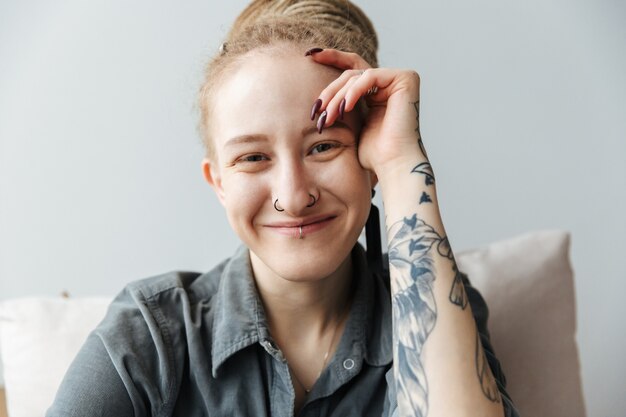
(154, 306)
(195, 285)
(148, 331)
(172, 285)
(138, 353)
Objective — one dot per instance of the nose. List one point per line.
(295, 189)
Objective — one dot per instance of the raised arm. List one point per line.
(439, 363)
(440, 367)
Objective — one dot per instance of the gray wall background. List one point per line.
(523, 114)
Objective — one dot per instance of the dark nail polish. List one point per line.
(321, 121)
(316, 107)
(313, 51)
(342, 107)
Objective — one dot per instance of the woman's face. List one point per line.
(267, 149)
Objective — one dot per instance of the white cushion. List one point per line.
(528, 284)
(39, 338)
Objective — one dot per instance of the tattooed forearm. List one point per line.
(486, 379)
(412, 247)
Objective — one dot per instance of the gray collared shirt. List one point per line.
(189, 344)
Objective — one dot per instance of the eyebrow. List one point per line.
(251, 138)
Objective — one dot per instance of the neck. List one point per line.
(303, 309)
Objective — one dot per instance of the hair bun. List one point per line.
(341, 16)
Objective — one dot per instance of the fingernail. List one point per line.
(342, 107)
(321, 121)
(316, 107)
(313, 51)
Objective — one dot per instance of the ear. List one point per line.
(212, 175)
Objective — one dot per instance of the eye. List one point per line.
(323, 147)
(252, 158)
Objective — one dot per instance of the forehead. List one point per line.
(284, 70)
(268, 92)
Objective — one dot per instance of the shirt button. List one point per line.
(348, 364)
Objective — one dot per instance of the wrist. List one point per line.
(400, 166)
(408, 187)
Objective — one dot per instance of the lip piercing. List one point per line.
(300, 236)
(276, 206)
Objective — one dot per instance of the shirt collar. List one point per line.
(239, 319)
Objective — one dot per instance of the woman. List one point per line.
(301, 320)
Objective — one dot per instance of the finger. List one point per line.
(387, 80)
(335, 109)
(338, 59)
(380, 78)
(333, 88)
(357, 88)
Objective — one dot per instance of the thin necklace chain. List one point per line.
(330, 345)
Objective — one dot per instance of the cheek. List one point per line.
(244, 197)
(351, 172)
(348, 181)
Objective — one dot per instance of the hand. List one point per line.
(391, 127)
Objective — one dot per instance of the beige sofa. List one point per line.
(527, 282)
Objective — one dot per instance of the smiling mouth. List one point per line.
(302, 229)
